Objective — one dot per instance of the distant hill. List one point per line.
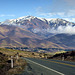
(65, 40)
(12, 36)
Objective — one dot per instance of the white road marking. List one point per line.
(45, 67)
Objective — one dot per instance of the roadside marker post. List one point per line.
(63, 58)
(11, 61)
(46, 57)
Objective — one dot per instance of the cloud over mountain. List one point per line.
(63, 29)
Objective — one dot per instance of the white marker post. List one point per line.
(63, 58)
(11, 61)
(46, 57)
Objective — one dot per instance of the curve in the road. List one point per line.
(45, 67)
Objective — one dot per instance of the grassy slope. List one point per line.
(18, 65)
(10, 52)
(68, 56)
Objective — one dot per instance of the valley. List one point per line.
(37, 37)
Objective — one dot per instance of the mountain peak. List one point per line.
(20, 19)
(36, 22)
(26, 17)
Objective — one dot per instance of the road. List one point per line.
(51, 67)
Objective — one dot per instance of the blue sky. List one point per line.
(11, 9)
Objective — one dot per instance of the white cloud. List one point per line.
(47, 14)
(63, 29)
(73, 20)
(61, 14)
(3, 15)
(70, 13)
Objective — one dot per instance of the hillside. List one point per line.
(12, 36)
(64, 40)
(68, 56)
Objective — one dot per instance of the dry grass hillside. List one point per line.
(11, 36)
(19, 64)
(68, 56)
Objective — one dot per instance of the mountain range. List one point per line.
(30, 31)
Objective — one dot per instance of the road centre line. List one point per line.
(60, 63)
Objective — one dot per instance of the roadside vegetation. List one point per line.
(5, 62)
(19, 64)
(11, 52)
(4, 66)
(67, 56)
(18, 68)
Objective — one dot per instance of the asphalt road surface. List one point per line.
(50, 67)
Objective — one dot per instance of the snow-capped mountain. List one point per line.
(31, 31)
(21, 19)
(14, 21)
(38, 25)
(51, 22)
(31, 23)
